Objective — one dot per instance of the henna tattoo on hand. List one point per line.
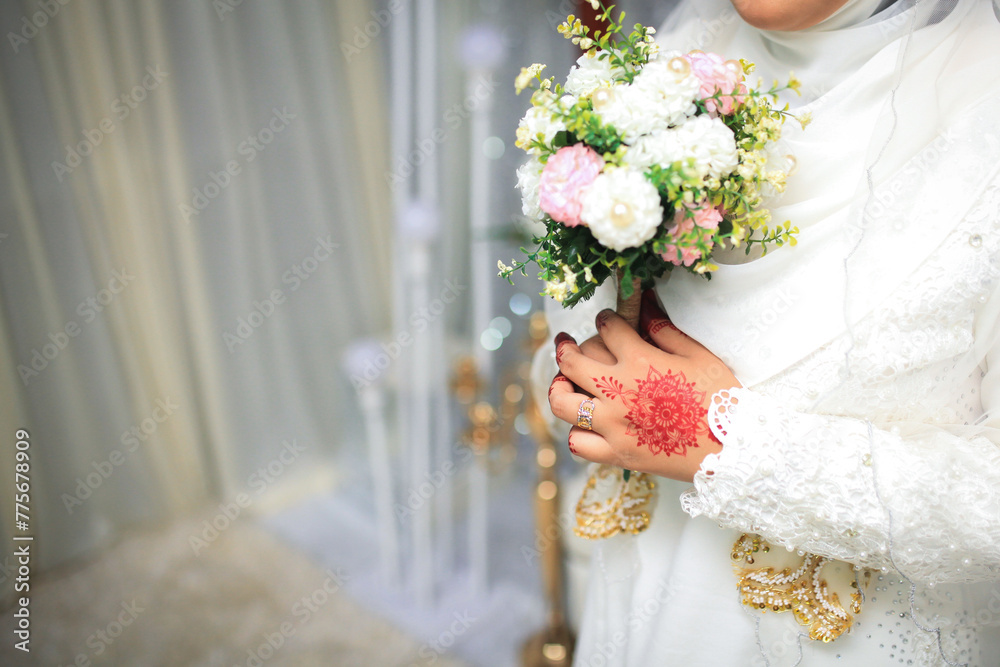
(562, 337)
(659, 325)
(558, 378)
(666, 413)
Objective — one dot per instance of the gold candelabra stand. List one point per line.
(553, 645)
(491, 435)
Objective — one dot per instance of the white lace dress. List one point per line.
(882, 468)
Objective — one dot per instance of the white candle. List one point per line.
(419, 227)
(361, 356)
(401, 139)
(429, 352)
(482, 50)
(373, 407)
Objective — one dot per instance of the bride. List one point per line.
(823, 419)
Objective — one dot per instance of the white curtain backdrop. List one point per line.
(172, 178)
(177, 351)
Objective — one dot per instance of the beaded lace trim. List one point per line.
(801, 591)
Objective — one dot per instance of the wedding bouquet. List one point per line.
(645, 161)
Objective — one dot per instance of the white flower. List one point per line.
(523, 79)
(706, 140)
(657, 99)
(674, 89)
(529, 176)
(557, 290)
(632, 111)
(538, 120)
(591, 73)
(622, 209)
(646, 106)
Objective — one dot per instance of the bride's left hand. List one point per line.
(650, 401)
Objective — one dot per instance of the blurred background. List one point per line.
(263, 399)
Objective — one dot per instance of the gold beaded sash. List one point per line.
(799, 588)
(610, 504)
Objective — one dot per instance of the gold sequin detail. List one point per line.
(801, 590)
(609, 504)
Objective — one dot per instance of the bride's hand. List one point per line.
(650, 400)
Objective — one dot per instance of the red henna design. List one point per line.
(562, 337)
(558, 378)
(659, 325)
(665, 412)
(610, 387)
(571, 447)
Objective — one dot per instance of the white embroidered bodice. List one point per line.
(892, 466)
(874, 469)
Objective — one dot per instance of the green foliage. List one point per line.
(570, 260)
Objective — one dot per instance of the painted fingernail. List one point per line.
(562, 337)
(556, 380)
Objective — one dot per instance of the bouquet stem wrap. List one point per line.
(628, 308)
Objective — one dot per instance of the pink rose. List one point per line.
(718, 76)
(703, 220)
(688, 255)
(565, 177)
(705, 217)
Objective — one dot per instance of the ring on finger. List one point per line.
(585, 415)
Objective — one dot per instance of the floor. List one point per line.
(484, 627)
(245, 599)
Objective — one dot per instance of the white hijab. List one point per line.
(905, 139)
(884, 91)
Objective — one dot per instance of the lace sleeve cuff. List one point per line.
(792, 478)
(914, 497)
